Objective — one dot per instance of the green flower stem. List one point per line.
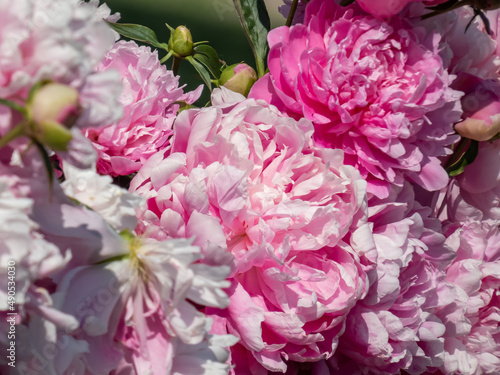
(175, 65)
(12, 134)
(289, 20)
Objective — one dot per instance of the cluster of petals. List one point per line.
(472, 322)
(39, 239)
(389, 8)
(22, 248)
(471, 56)
(248, 184)
(58, 41)
(475, 194)
(150, 99)
(394, 327)
(84, 294)
(377, 90)
(135, 315)
(116, 205)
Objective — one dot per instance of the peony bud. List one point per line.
(53, 110)
(55, 102)
(238, 78)
(482, 111)
(181, 42)
(54, 135)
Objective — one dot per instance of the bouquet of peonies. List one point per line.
(334, 211)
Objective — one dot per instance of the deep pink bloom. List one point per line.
(389, 8)
(383, 8)
(377, 90)
(248, 184)
(149, 97)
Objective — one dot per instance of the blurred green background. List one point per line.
(211, 20)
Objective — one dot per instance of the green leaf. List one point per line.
(137, 32)
(464, 159)
(256, 24)
(202, 71)
(208, 57)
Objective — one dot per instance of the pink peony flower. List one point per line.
(135, 314)
(149, 99)
(475, 194)
(41, 327)
(394, 328)
(471, 55)
(389, 8)
(376, 90)
(383, 8)
(62, 42)
(248, 184)
(472, 322)
(116, 205)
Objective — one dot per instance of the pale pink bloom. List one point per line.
(135, 313)
(21, 248)
(377, 90)
(71, 227)
(475, 193)
(248, 184)
(494, 19)
(116, 205)
(28, 259)
(60, 41)
(394, 328)
(471, 55)
(57, 40)
(149, 99)
(472, 335)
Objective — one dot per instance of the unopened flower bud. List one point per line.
(181, 42)
(478, 129)
(238, 78)
(55, 102)
(481, 109)
(53, 135)
(53, 110)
